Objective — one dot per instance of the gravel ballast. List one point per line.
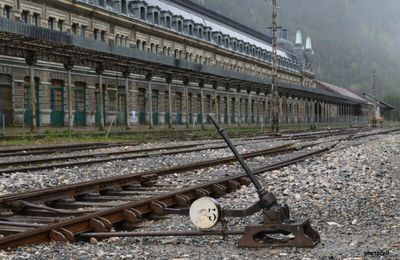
(351, 196)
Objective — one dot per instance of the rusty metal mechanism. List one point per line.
(276, 229)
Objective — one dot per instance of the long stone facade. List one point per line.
(129, 99)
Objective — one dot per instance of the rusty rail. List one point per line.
(132, 212)
(50, 194)
(142, 154)
(135, 210)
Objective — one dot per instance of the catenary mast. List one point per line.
(274, 89)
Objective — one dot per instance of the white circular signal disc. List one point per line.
(205, 213)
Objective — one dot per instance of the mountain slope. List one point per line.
(347, 36)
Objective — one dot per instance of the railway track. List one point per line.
(65, 148)
(57, 213)
(63, 213)
(40, 150)
(94, 158)
(103, 157)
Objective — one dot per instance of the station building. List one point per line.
(154, 62)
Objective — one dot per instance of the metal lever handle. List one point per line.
(260, 190)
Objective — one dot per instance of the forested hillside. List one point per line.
(347, 36)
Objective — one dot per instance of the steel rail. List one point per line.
(82, 224)
(60, 146)
(79, 225)
(94, 155)
(93, 146)
(102, 160)
(56, 193)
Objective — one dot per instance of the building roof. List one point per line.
(382, 104)
(342, 91)
(16, 36)
(217, 22)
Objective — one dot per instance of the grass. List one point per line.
(59, 136)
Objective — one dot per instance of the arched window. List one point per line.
(144, 46)
(138, 45)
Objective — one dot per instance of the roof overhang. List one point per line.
(18, 39)
(381, 103)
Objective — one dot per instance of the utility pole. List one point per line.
(274, 87)
(374, 117)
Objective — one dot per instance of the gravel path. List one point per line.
(351, 195)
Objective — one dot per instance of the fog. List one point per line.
(347, 36)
